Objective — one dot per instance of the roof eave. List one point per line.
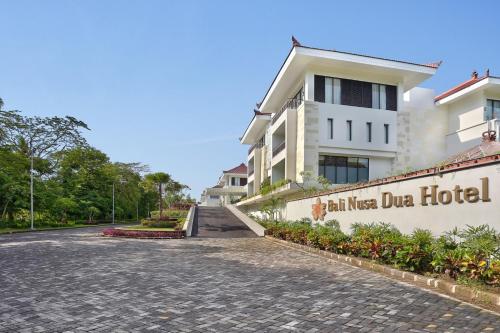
(257, 120)
(340, 56)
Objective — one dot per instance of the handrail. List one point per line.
(291, 103)
(278, 149)
(257, 145)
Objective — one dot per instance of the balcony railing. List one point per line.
(279, 148)
(257, 145)
(290, 104)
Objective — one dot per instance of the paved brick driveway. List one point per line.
(73, 281)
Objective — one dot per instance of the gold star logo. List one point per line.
(319, 210)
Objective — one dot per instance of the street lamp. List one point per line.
(121, 181)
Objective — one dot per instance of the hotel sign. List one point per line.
(428, 196)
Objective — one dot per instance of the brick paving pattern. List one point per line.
(73, 281)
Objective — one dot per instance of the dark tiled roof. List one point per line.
(242, 168)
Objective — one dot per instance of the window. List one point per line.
(355, 93)
(326, 89)
(214, 197)
(329, 90)
(330, 128)
(243, 181)
(349, 130)
(336, 91)
(319, 88)
(386, 133)
(492, 110)
(375, 96)
(233, 181)
(341, 169)
(369, 131)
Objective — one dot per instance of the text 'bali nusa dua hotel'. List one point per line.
(392, 151)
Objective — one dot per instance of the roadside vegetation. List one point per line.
(72, 181)
(470, 256)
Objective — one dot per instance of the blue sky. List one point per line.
(172, 84)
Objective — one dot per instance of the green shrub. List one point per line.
(472, 254)
(158, 223)
(415, 254)
(378, 241)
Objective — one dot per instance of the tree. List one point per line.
(63, 207)
(158, 179)
(271, 207)
(39, 137)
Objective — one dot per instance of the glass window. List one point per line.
(329, 90)
(492, 110)
(362, 169)
(386, 133)
(336, 91)
(352, 170)
(330, 172)
(382, 98)
(341, 170)
(369, 131)
(349, 130)
(375, 96)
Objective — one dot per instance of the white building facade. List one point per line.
(352, 118)
(230, 187)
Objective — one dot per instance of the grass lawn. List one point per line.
(13, 230)
(144, 228)
(73, 226)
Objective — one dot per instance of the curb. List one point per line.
(461, 292)
(64, 228)
(188, 224)
(250, 223)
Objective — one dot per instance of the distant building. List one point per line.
(230, 187)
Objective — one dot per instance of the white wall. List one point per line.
(422, 129)
(437, 218)
(359, 117)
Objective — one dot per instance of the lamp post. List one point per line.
(113, 214)
(122, 181)
(32, 217)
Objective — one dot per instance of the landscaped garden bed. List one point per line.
(461, 263)
(154, 233)
(468, 257)
(168, 224)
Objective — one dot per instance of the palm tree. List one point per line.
(158, 179)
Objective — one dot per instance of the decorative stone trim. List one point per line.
(459, 291)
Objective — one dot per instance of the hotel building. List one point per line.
(231, 186)
(352, 118)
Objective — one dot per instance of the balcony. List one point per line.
(257, 145)
(279, 148)
(290, 104)
(250, 172)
